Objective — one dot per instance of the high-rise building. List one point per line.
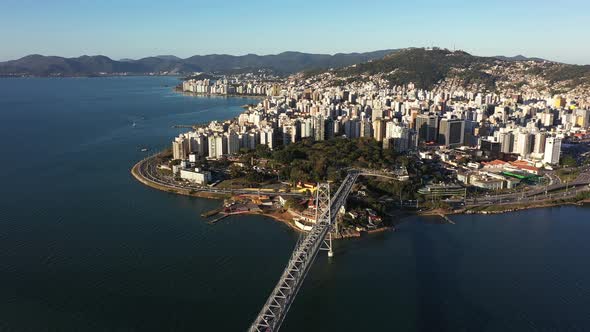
(559, 102)
(217, 145)
(307, 127)
(470, 138)
(289, 134)
(180, 148)
(233, 142)
(250, 140)
(352, 128)
(330, 128)
(451, 132)
(492, 147)
(400, 138)
(366, 128)
(506, 140)
(378, 129)
(583, 118)
(376, 112)
(319, 128)
(547, 118)
(539, 146)
(501, 112)
(427, 127)
(198, 143)
(267, 137)
(524, 144)
(552, 150)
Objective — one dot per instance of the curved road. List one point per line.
(147, 169)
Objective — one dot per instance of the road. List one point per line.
(541, 192)
(148, 170)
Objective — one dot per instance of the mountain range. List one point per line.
(283, 63)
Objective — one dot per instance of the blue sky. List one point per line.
(557, 30)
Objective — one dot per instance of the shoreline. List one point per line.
(507, 209)
(185, 192)
(511, 208)
(280, 218)
(233, 95)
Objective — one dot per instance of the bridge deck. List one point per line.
(276, 307)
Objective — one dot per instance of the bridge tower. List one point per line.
(278, 303)
(323, 215)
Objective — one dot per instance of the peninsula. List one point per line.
(459, 139)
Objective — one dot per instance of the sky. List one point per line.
(555, 30)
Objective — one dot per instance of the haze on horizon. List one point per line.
(136, 29)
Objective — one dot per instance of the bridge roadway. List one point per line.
(276, 307)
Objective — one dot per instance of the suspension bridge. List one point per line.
(319, 238)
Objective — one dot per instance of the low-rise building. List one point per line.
(486, 182)
(196, 176)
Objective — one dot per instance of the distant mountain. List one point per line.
(283, 63)
(169, 57)
(40, 65)
(518, 58)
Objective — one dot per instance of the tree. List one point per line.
(568, 161)
(293, 204)
(235, 171)
(262, 151)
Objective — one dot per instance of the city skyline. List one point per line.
(134, 29)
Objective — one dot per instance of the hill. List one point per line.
(283, 63)
(423, 67)
(39, 65)
(518, 58)
(428, 68)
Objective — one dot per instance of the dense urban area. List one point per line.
(497, 136)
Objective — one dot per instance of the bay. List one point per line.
(85, 247)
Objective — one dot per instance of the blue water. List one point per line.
(84, 247)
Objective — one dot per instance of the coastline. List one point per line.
(508, 208)
(519, 207)
(209, 195)
(233, 95)
(185, 192)
(280, 217)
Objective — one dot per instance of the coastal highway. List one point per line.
(147, 170)
(555, 190)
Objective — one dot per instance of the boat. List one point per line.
(144, 149)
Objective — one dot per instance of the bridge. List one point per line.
(319, 238)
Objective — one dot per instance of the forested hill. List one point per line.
(283, 63)
(427, 68)
(421, 66)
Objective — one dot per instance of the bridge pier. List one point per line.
(330, 251)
